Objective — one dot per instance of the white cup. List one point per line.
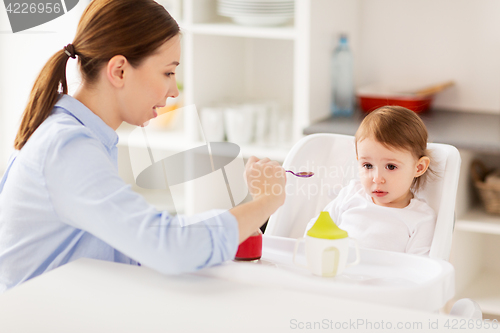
(326, 257)
(280, 125)
(261, 122)
(212, 121)
(284, 126)
(239, 124)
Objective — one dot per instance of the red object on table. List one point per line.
(251, 248)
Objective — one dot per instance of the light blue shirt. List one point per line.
(61, 199)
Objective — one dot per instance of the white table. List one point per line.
(96, 296)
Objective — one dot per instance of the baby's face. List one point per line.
(386, 174)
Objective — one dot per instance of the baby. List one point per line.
(380, 209)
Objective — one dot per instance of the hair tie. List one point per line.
(70, 51)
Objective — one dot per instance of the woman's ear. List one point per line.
(115, 70)
(422, 166)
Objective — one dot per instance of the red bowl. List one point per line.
(250, 249)
(371, 98)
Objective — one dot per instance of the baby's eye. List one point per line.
(367, 166)
(391, 167)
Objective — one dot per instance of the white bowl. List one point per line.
(258, 12)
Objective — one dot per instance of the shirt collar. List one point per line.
(89, 119)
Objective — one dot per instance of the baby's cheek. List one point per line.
(364, 176)
(364, 181)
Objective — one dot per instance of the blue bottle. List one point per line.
(342, 79)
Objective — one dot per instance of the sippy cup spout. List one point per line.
(325, 228)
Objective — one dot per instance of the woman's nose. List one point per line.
(174, 92)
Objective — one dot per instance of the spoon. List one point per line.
(430, 90)
(303, 174)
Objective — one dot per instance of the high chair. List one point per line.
(332, 158)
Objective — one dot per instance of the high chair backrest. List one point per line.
(332, 158)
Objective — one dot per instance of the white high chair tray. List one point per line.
(382, 277)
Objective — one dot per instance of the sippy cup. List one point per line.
(327, 247)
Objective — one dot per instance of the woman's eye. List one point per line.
(170, 74)
(367, 166)
(391, 166)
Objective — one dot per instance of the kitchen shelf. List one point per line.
(485, 291)
(230, 29)
(465, 130)
(477, 220)
(177, 141)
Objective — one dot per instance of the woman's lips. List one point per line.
(155, 110)
(379, 193)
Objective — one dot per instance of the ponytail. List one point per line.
(43, 96)
(132, 28)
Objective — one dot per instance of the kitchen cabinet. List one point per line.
(225, 62)
(477, 234)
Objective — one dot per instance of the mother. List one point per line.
(61, 197)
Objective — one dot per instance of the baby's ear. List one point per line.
(422, 166)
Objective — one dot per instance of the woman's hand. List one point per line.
(266, 181)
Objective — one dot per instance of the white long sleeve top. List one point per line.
(409, 229)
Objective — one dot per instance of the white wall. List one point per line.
(22, 56)
(426, 41)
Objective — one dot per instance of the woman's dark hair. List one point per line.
(132, 28)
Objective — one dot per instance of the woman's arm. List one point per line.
(88, 194)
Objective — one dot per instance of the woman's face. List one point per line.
(148, 86)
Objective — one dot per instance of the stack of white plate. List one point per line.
(257, 12)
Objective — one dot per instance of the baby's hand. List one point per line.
(266, 180)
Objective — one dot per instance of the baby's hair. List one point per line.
(134, 29)
(396, 127)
